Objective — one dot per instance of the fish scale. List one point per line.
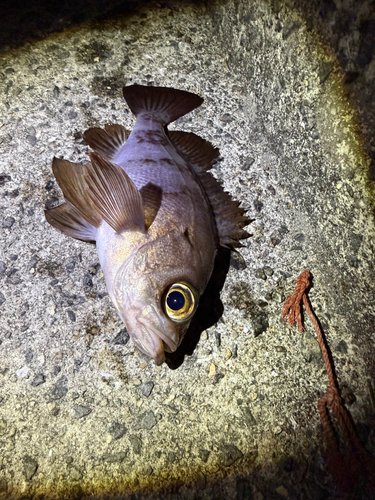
(166, 169)
(159, 174)
(156, 214)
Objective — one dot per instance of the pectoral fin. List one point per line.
(115, 195)
(151, 197)
(70, 222)
(71, 179)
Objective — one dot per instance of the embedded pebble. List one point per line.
(113, 458)
(278, 296)
(22, 372)
(228, 355)
(146, 421)
(30, 466)
(230, 454)
(59, 389)
(281, 490)
(259, 273)
(117, 430)
(2, 268)
(8, 222)
(81, 411)
(3, 426)
(38, 380)
(268, 271)
(31, 139)
(71, 315)
(51, 309)
(146, 388)
(136, 444)
(259, 323)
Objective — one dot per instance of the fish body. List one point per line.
(157, 216)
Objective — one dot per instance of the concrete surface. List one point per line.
(82, 413)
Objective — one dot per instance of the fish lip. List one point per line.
(159, 359)
(156, 332)
(155, 329)
(158, 343)
(154, 349)
(159, 353)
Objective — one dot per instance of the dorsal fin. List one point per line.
(201, 153)
(115, 195)
(108, 142)
(70, 222)
(229, 216)
(71, 179)
(163, 103)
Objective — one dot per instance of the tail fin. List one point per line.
(165, 104)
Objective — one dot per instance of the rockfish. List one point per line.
(155, 212)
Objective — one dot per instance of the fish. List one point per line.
(155, 212)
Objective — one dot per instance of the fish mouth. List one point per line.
(155, 349)
(168, 344)
(152, 340)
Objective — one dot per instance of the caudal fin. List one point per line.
(165, 104)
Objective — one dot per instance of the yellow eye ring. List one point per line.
(180, 302)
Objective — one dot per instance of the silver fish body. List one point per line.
(157, 216)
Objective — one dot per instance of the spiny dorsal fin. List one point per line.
(115, 195)
(229, 216)
(163, 103)
(201, 153)
(106, 143)
(71, 179)
(70, 222)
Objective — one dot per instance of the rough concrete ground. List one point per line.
(82, 413)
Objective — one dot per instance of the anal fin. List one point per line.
(115, 195)
(70, 222)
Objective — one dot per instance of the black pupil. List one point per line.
(175, 301)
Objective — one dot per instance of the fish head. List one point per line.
(156, 292)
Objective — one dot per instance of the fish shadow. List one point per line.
(209, 311)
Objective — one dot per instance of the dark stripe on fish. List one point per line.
(168, 161)
(152, 137)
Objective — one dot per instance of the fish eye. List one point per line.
(180, 302)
